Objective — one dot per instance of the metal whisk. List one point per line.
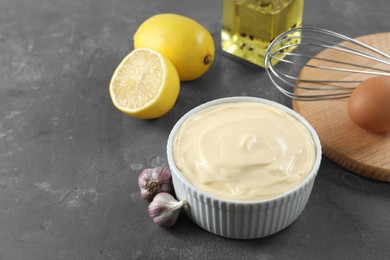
(325, 61)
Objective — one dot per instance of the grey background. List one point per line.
(69, 160)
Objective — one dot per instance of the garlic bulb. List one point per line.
(165, 209)
(153, 181)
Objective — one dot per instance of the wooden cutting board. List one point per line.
(362, 152)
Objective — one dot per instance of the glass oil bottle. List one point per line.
(249, 26)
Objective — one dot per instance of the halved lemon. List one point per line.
(145, 84)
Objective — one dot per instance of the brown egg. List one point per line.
(369, 104)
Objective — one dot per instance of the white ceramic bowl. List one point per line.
(236, 219)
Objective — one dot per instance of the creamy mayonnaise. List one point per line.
(244, 151)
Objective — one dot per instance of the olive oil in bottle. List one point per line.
(249, 26)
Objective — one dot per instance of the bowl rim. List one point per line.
(235, 99)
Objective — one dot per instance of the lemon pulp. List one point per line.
(145, 84)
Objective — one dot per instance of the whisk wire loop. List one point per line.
(307, 42)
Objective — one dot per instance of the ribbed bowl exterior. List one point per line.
(242, 220)
(236, 219)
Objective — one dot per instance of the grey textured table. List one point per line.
(69, 160)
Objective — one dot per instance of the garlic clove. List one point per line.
(165, 209)
(153, 181)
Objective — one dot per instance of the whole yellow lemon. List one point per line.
(185, 42)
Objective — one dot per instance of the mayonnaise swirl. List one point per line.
(244, 151)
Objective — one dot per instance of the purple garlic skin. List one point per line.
(165, 209)
(153, 181)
